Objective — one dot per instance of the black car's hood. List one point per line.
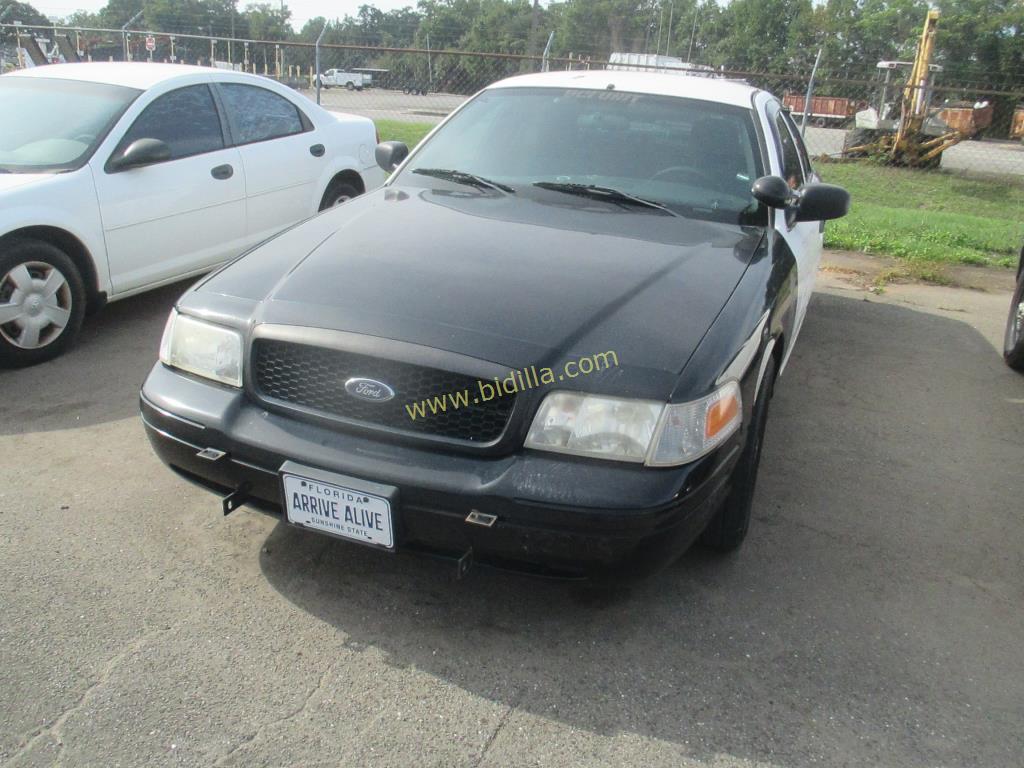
(514, 280)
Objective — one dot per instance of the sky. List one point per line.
(302, 10)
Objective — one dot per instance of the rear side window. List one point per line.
(258, 114)
(185, 120)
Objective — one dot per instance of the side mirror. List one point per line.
(141, 152)
(773, 191)
(821, 202)
(390, 154)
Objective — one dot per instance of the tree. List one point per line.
(766, 35)
(23, 12)
(982, 40)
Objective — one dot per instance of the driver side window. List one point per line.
(186, 120)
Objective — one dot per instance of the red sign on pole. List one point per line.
(150, 43)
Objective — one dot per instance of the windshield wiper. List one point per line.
(463, 177)
(595, 192)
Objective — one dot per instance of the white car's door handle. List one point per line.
(222, 172)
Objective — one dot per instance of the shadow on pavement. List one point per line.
(99, 379)
(873, 617)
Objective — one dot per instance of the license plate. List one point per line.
(338, 505)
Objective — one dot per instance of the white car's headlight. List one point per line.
(636, 430)
(207, 350)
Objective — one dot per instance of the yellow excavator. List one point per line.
(911, 132)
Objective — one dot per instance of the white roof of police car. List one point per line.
(130, 74)
(658, 83)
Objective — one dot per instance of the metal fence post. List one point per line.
(545, 64)
(810, 93)
(124, 32)
(430, 69)
(316, 57)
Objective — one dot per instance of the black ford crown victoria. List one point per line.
(550, 340)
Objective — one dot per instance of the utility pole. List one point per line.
(213, 46)
(661, 21)
(693, 32)
(234, 8)
(668, 39)
(430, 70)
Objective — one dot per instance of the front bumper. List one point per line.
(553, 512)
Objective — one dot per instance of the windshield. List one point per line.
(55, 125)
(696, 158)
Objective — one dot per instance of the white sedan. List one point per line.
(119, 178)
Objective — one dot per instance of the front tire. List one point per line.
(1013, 342)
(42, 303)
(728, 528)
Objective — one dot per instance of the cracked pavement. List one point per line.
(873, 618)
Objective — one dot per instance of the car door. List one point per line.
(282, 155)
(803, 238)
(180, 216)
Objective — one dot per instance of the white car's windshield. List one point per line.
(55, 125)
(696, 158)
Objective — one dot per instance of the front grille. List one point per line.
(313, 378)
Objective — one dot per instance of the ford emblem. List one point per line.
(371, 390)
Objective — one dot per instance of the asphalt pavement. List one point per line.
(874, 617)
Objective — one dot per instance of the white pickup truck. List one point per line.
(354, 81)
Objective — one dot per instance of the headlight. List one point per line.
(636, 430)
(690, 430)
(589, 425)
(207, 350)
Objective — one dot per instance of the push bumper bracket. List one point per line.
(235, 499)
(464, 564)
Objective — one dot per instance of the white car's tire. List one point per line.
(337, 193)
(42, 303)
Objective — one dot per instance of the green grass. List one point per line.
(396, 130)
(928, 216)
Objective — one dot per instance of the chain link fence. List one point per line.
(407, 91)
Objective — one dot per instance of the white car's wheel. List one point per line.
(337, 193)
(42, 303)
